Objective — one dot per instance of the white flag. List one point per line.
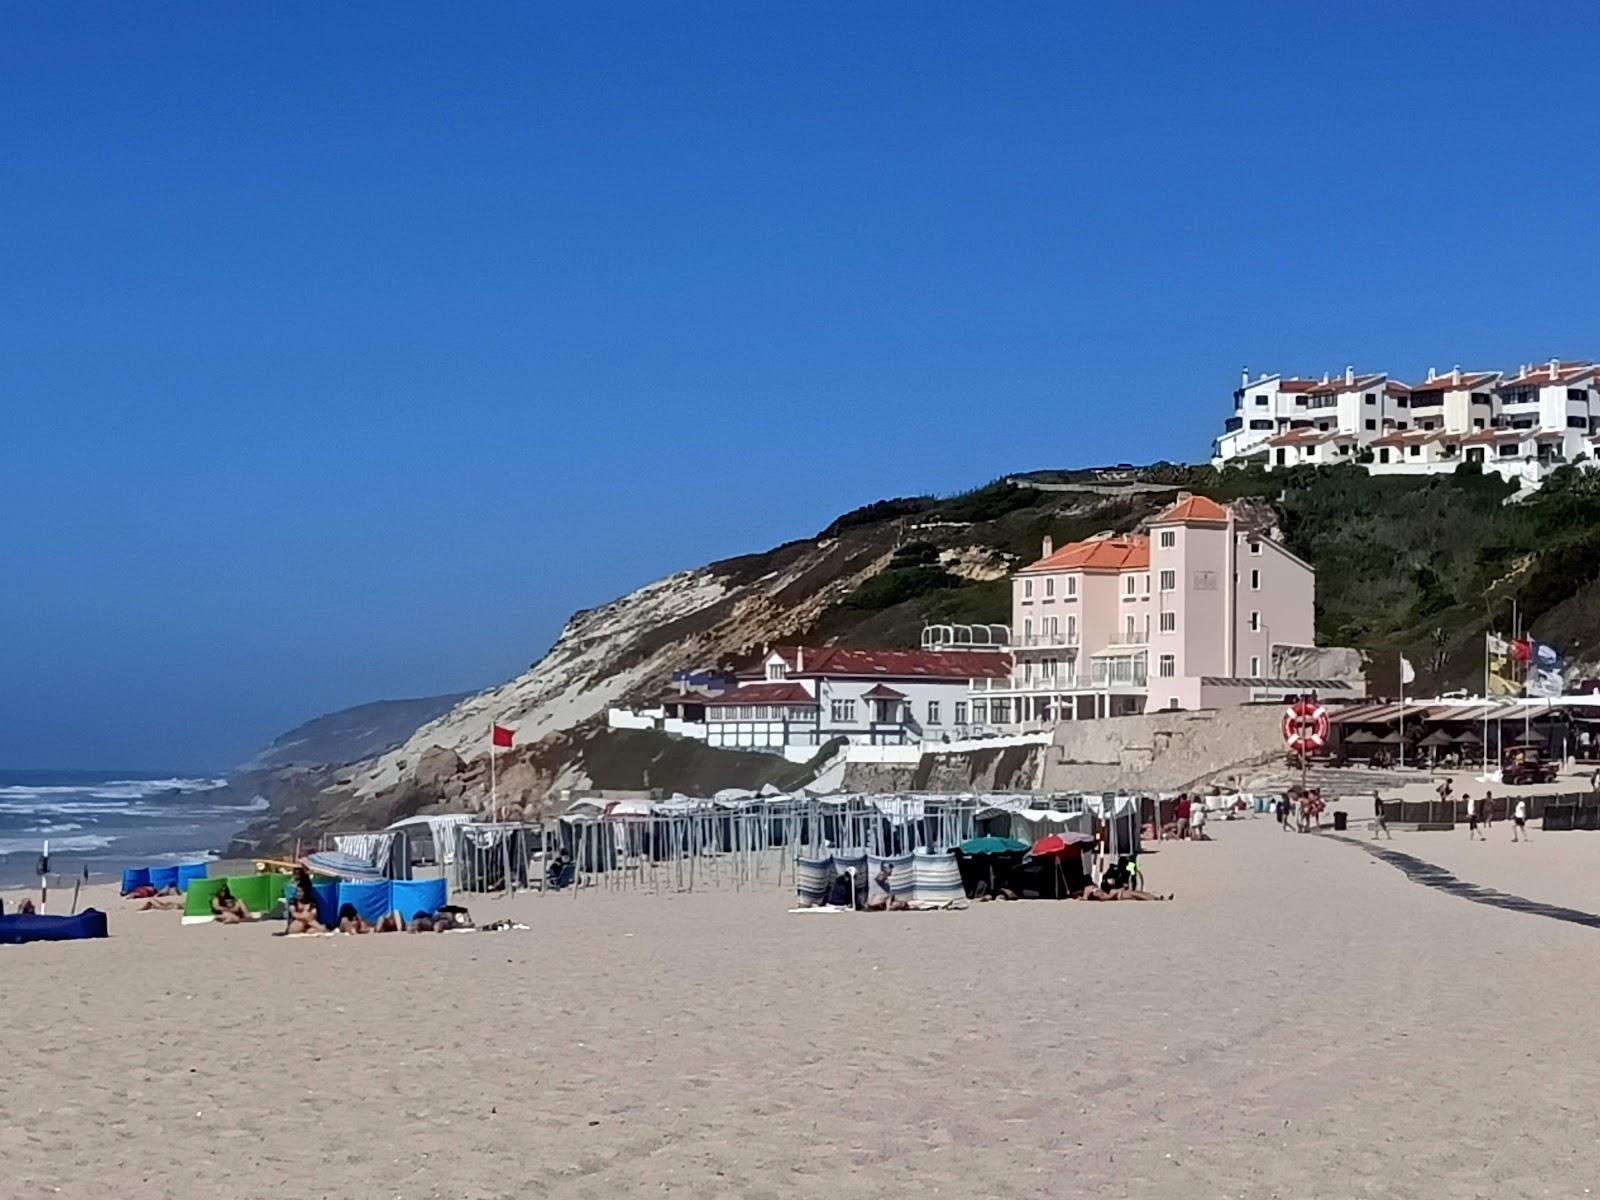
(1408, 673)
(1497, 644)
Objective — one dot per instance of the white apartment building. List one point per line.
(1185, 616)
(1520, 426)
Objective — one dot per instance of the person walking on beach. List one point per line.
(1380, 822)
(1519, 821)
(1486, 811)
(1473, 832)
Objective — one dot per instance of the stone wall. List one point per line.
(1163, 751)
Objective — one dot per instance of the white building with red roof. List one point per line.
(1521, 425)
(805, 696)
(1184, 616)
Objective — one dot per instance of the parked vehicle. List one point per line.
(1526, 764)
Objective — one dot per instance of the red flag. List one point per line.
(502, 737)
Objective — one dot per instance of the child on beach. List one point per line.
(1519, 822)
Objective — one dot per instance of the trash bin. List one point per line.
(1341, 820)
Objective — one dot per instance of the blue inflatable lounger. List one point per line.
(17, 928)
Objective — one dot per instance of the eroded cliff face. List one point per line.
(626, 651)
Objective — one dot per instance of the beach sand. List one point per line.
(1303, 1021)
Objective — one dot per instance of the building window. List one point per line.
(933, 712)
(1129, 583)
(777, 670)
(1371, 398)
(980, 712)
(1370, 423)
(1255, 579)
(1072, 585)
(961, 712)
(1128, 631)
(1050, 587)
(1167, 666)
(1402, 401)
(746, 712)
(843, 712)
(800, 714)
(1169, 581)
(1144, 583)
(1169, 538)
(1169, 622)
(1027, 631)
(1027, 589)
(1261, 401)
(1000, 712)
(1414, 451)
(1255, 666)
(1255, 549)
(1072, 630)
(1255, 620)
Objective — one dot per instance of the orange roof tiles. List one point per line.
(1196, 509)
(1539, 376)
(1445, 383)
(1129, 552)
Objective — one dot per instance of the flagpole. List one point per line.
(1402, 710)
(494, 801)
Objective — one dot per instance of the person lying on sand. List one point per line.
(229, 909)
(451, 917)
(161, 904)
(350, 921)
(1104, 894)
(391, 923)
(422, 922)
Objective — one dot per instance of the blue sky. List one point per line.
(344, 350)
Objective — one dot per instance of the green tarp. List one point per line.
(259, 893)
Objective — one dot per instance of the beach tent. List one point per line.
(259, 893)
(134, 878)
(17, 928)
(376, 898)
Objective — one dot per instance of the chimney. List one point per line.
(1524, 371)
(799, 659)
(1455, 375)
(1324, 377)
(1431, 375)
(1182, 496)
(1048, 547)
(1349, 376)
(1244, 377)
(1555, 368)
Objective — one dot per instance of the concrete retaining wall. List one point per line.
(1162, 751)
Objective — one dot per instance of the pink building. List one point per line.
(1185, 616)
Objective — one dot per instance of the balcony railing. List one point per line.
(1031, 640)
(1119, 672)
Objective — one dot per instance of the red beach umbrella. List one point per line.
(1059, 843)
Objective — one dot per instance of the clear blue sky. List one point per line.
(345, 350)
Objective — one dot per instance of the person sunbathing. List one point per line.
(350, 921)
(391, 922)
(1104, 894)
(422, 922)
(161, 903)
(228, 909)
(303, 917)
(452, 917)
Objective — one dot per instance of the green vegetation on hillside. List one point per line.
(1422, 565)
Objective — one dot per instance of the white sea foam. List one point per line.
(67, 845)
(52, 830)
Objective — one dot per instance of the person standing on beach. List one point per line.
(1380, 823)
(1486, 811)
(1472, 818)
(1519, 821)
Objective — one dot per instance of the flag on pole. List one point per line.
(1408, 673)
(502, 736)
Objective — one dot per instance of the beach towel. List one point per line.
(812, 877)
(937, 878)
(135, 877)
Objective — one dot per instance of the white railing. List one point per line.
(1030, 640)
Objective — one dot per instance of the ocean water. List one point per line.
(111, 820)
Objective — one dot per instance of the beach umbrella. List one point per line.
(979, 846)
(1060, 843)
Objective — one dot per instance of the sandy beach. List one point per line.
(1303, 1021)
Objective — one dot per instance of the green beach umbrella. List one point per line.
(992, 845)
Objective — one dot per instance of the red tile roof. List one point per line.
(1338, 384)
(1195, 510)
(1444, 383)
(1295, 385)
(850, 661)
(880, 692)
(1127, 552)
(766, 693)
(1487, 437)
(1539, 376)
